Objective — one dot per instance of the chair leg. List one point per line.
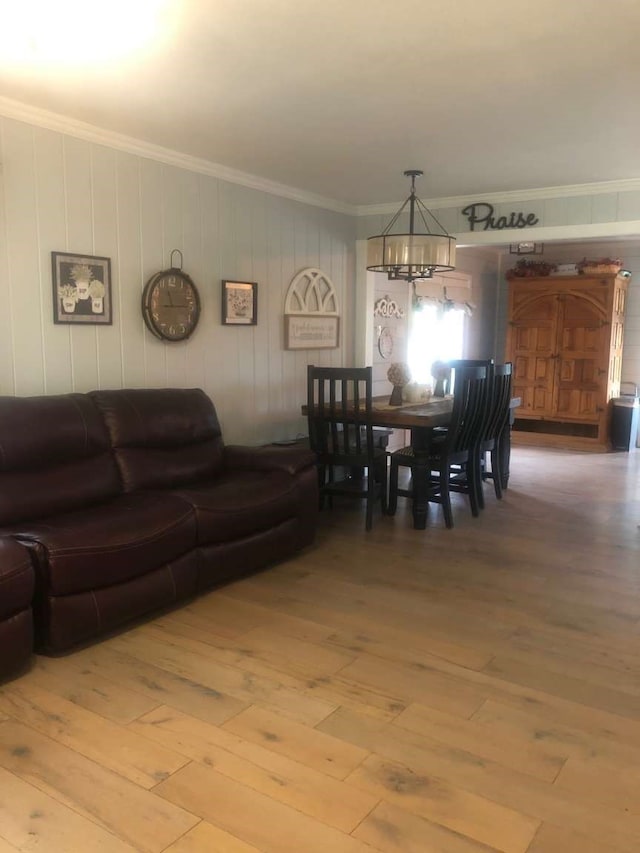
(383, 485)
(371, 497)
(392, 504)
(445, 496)
(472, 484)
(480, 466)
(321, 481)
(496, 470)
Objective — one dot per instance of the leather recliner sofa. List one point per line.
(129, 500)
(16, 594)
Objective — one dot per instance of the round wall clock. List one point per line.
(385, 342)
(171, 305)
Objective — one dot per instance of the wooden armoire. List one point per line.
(565, 341)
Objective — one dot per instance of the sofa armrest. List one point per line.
(268, 458)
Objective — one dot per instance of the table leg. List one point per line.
(421, 473)
(421, 476)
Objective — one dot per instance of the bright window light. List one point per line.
(434, 335)
(80, 33)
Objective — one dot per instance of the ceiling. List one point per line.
(338, 97)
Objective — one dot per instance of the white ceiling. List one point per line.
(338, 97)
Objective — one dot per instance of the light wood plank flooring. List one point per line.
(454, 691)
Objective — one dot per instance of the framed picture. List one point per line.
(81, 289)
(239, 303)
(311, 331)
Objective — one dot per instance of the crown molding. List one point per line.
(90, 133)
(628, 185)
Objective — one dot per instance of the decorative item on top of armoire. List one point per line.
(525, 268)
(564, 339)
(398, 375)
(599, 266)
(171, 304)
(81, 289)
(311, 314)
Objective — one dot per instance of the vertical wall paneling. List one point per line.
(79, 207)
(23, 262)
(173, 186)
(154, 259)
(259, 273)
(60, 193)
(7, 363)
(289, 269)
(302, 258)
(105, 239)
(128, 272)
(245, 402)
(227, 353)
(52, 236)
(274, 318)
(209, 330)
(191, 243)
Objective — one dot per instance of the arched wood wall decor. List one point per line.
(311, 292)
(311, 313)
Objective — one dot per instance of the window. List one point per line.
(434, 335)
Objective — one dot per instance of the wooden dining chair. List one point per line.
(494, 431)
(450, 453)
(339, 413)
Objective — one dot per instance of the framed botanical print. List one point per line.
(81, 289)
(239, 303)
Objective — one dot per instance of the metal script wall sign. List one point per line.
(481, 213)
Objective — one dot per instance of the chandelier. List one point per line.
(416, 254)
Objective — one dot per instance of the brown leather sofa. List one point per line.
(16, 594)
(129, 500)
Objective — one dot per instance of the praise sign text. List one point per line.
(481, 213)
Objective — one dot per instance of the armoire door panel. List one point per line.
(529, 338)
(580, 371)
(581, 338)
(577, 404)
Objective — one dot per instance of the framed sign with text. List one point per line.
(311, 331)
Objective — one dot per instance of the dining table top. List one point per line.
(428, 413)
(436, 411)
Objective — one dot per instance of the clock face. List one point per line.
(385, 342)
(171, 305)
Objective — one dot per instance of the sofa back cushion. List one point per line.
(54, 456)
(163, 437)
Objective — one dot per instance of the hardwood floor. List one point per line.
(454, 691)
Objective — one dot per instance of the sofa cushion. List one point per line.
(54, 456)
(16, 578)
(111, 543)
(162, 437)
(241, 503)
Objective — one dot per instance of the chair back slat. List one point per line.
(340, 415)
(339, 411)
(500, 399)
(469, 407)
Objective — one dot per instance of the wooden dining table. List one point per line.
(421, 418)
